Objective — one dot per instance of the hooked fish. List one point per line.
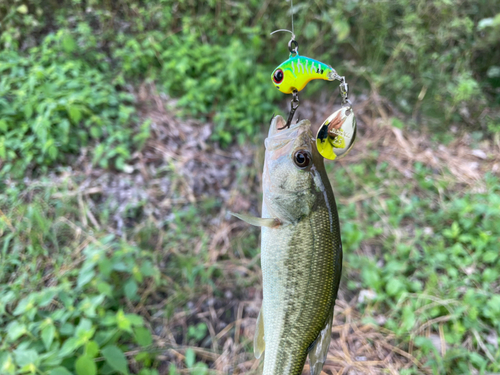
(301, 253)
(296, 72)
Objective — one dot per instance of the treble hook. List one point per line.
(294, 104)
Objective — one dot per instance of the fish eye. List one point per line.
(278, 76)
(302, 159)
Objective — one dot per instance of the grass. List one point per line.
(145, 272)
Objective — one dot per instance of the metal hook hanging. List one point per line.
(286, 30)
(294, 104)
(293, 45)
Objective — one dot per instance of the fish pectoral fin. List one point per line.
(258, 341)
(258, 221)
(319, 349)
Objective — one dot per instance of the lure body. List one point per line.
(296, 72)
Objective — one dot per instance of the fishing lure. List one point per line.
(296, 72)
(337, 133)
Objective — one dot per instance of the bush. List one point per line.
(224, 84)
(53, 105)
(433, 58)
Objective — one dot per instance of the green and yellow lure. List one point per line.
(296, 72)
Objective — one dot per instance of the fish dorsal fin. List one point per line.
(319, 349)
(258, 340)
(258, 221)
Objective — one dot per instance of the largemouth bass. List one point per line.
(301, 253)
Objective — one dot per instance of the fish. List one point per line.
(301, 253)
(296, 72)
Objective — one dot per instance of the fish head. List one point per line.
(291, 180)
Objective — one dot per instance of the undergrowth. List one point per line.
(64, 66)
(77, 298)
(63, 292)
(430, 263)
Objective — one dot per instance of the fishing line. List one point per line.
(291, 32)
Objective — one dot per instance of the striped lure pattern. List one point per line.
(296, 72)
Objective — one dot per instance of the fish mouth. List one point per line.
(278, 137)
(282, 144)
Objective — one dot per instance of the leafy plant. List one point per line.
(53, 105)
(442, 273)
(423, 55)
(60, 313)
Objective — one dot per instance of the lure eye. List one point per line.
(302, 159)
(278, 76)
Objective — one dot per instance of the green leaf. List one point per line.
(7, 365)
(408, 318)
(24, 305)
(84, 325)
(494, 304)
(91, 349)
(48, 335)
(3, 126)
(425, 343)
(25, 357)
(143, 336)
(370, 277)
(86, 274)
(397, 123)
(95, 132)
(485, 22)
(68, 43)
(46, 297)
(115, 358)
(23, 9)
(130, 289)
(75, 114)
(85, 366)
(394, 286)
(60, 371)
(135, 320)
(69, 346)
(147, 268)
(172, 370)
(105, 288)
(122, 321)
(190, 358)
(200, 369)
(15, 330)
(490, 256)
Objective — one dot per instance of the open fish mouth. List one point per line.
(299, 133)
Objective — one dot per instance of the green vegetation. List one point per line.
(127, 275)
(436, 261)
(63, 294)
(53, 105)
(438, 59)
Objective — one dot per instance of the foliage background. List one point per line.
(117, 254)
